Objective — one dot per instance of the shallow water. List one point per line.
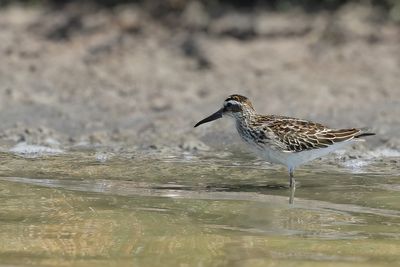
(90, 208)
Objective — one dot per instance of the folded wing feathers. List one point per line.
(300, 135)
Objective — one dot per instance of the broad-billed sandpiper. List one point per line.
(284, 140)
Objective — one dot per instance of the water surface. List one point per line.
(99, 209)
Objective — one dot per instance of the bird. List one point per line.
(284, 140)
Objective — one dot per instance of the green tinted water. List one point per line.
(88, 209)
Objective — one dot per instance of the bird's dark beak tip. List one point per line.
(212, 117)
(197, 124)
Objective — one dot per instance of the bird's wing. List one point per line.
(294, 135)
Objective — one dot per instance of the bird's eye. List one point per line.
(228, 104)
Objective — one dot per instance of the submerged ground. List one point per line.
(100, 164)
(99, 209)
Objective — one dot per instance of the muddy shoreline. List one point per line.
(119, 77)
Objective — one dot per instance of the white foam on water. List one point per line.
(355, 165)
(26, 150)
(373, 154)
(384, 153)
(359, 165)
(103, 156)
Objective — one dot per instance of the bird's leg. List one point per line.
(292, 181)
(291, 197)
(292, 184)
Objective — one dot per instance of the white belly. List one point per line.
(294, 159)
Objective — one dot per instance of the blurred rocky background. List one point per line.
(142, 73)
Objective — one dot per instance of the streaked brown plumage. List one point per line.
(296, 135)
(284, 140)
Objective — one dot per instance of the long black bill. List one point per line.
(213, 117)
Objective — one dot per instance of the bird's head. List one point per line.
(235, 106)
